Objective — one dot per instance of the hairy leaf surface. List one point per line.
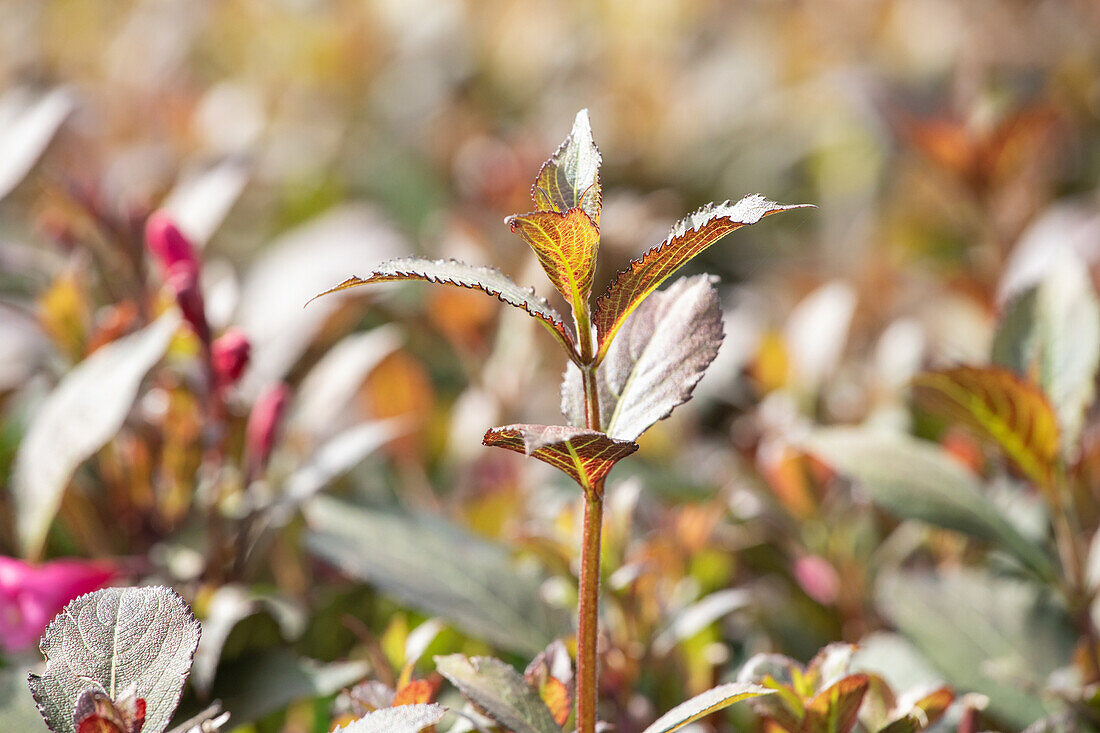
(565, 245)
(586, 455)
(452, 272)
(438, 568)
(1050, 333)
(570, 179)
(834, 709)
(653, 366)
(711, 701)
(1000, 407)
(690, 236)
(117, 640)
(403, 719)
(500, 691)
(916, 480)
(78, 418)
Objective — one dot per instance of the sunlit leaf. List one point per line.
(117, 640)
(916, 480)
(995, 635)
(834, 709)
(570, 179)
(711, 701)
(438, 568)
(690, 236)
(1049, 333)
(27, 124)
(452, 272)
(1000, 407)
(659, 356)
(404, 719)
(77, 419)
(500, 691)
(586, 455)
(924, 712)
(565, 245)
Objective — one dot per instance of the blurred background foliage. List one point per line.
(953, 150)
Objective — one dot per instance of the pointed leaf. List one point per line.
(711, 701)
(1001, 408)
(834, 710)
(28, 122)
(488, 280)
(586, 455)
(570, 179)
(1050, 334)
(117, 640)
(82, 413)
(403, 719)
(653, 366)
(438, 568)
(500, 691)
(565, 245)
(916, 480)
(923, 712)
(690, 236)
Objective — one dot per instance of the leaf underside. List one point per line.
(711, 701)
(500, 691)
(1000, 407)
(654, 364)
(117, 640)
(488, 280)
(402, 719)
(570, 179)
(565, 245)
(690, 236)
(586, 455)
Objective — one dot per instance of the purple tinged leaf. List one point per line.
(586, 455)
(653, 366)
(500, 691)
(571, 177)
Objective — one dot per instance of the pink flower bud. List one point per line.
(167, 243)
(31, 595)
(263, 425)
(817, 578)
(183, 281)
(229, 356)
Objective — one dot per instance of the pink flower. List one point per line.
(817, 578)
(229, 356)
(263, 425)
(167, 243)
(31, 595)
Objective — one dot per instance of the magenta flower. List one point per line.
(818, 578)
(263, 425)
(167, 243)
(229, 356)
(31, 595)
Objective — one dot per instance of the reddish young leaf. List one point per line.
(690, 236)
(586, 455)
(452, 272)
(95, 712)
(416, 692)
(1000, 407)
(566, 247)
(834, 710)
(570, 179)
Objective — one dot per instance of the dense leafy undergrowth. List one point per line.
(247, 506)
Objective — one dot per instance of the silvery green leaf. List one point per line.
(118, 640)
(82, 413)
(656, 360)
(704, 704)
(402, 719)
(27, 124)
(500, 691)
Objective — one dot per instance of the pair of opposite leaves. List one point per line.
(650, 350)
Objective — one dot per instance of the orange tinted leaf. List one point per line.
(556, 696)
(690, 236)
(452, 272)
(1001, 408)
(586, 455)
(834, 710)
(570, 179)
(566, 247)
(417, 692)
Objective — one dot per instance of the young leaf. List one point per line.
(586, 455)
(1000, 407)
(403, 719)
(690, 236)
(923, 713)
(711, 701)
(117, 640)
(653, 366)
(439, 568)
(1049, 333)
(570, 179)
(500, 691)
(834, 709)
(916, 480)
(565, 245)
(488, 280)
(82, 413)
